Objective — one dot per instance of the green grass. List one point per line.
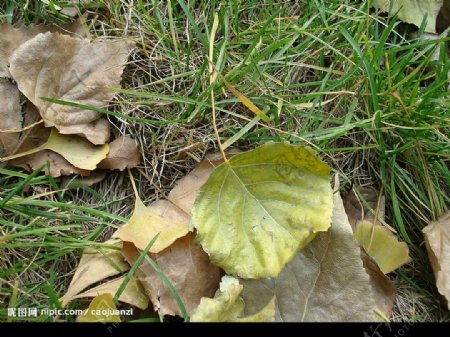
(362, 89)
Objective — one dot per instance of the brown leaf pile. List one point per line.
(59, 63)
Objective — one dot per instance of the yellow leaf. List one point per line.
(382, 245)
(227, 306)
(145, 224)
(101, 309)
(76, 150)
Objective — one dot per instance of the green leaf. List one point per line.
(259, 208)
(413, 11)
(326, 281)
(227, 306)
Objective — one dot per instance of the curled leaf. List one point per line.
(259, 208)
(69, 69)
(169, 217)
(228, 306)
(34, 137)
(437, 240)
(382, 245)
(76, 150)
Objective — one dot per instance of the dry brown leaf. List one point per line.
(77, 70)
(95, 266)
(384, 291)
(93, 178)
(76, 150)
(11, 38)
(325, 281)
(133, 293)
(188, 268)
(437, 240)
(10, 117)
(97, 132)
(358, 210)
(123, 153)
(34, 137)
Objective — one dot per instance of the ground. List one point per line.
(360, 88)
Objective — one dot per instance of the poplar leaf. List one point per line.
(259, 208)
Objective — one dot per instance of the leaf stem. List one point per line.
(212, 78)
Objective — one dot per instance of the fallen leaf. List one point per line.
(413, 11)
(170, 217)
(11, 38)
(145, 224)
(437, 240)
(188, 268)
(96, 265)
(76, 150)
(33, 138)
(123, 153)
(384, 291)
(133, 293)
(102, 309)
(11, 117)
(259, 208)
(443, 19)
(184, 193)
(382, 245)
(93, 178)
(326, 281)
(227, 306)
(65, 68)
(361, 205)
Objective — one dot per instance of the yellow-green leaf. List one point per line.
(259, 208)
(227, 306)
(382, 245)
(76, 150)
(101, 309)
